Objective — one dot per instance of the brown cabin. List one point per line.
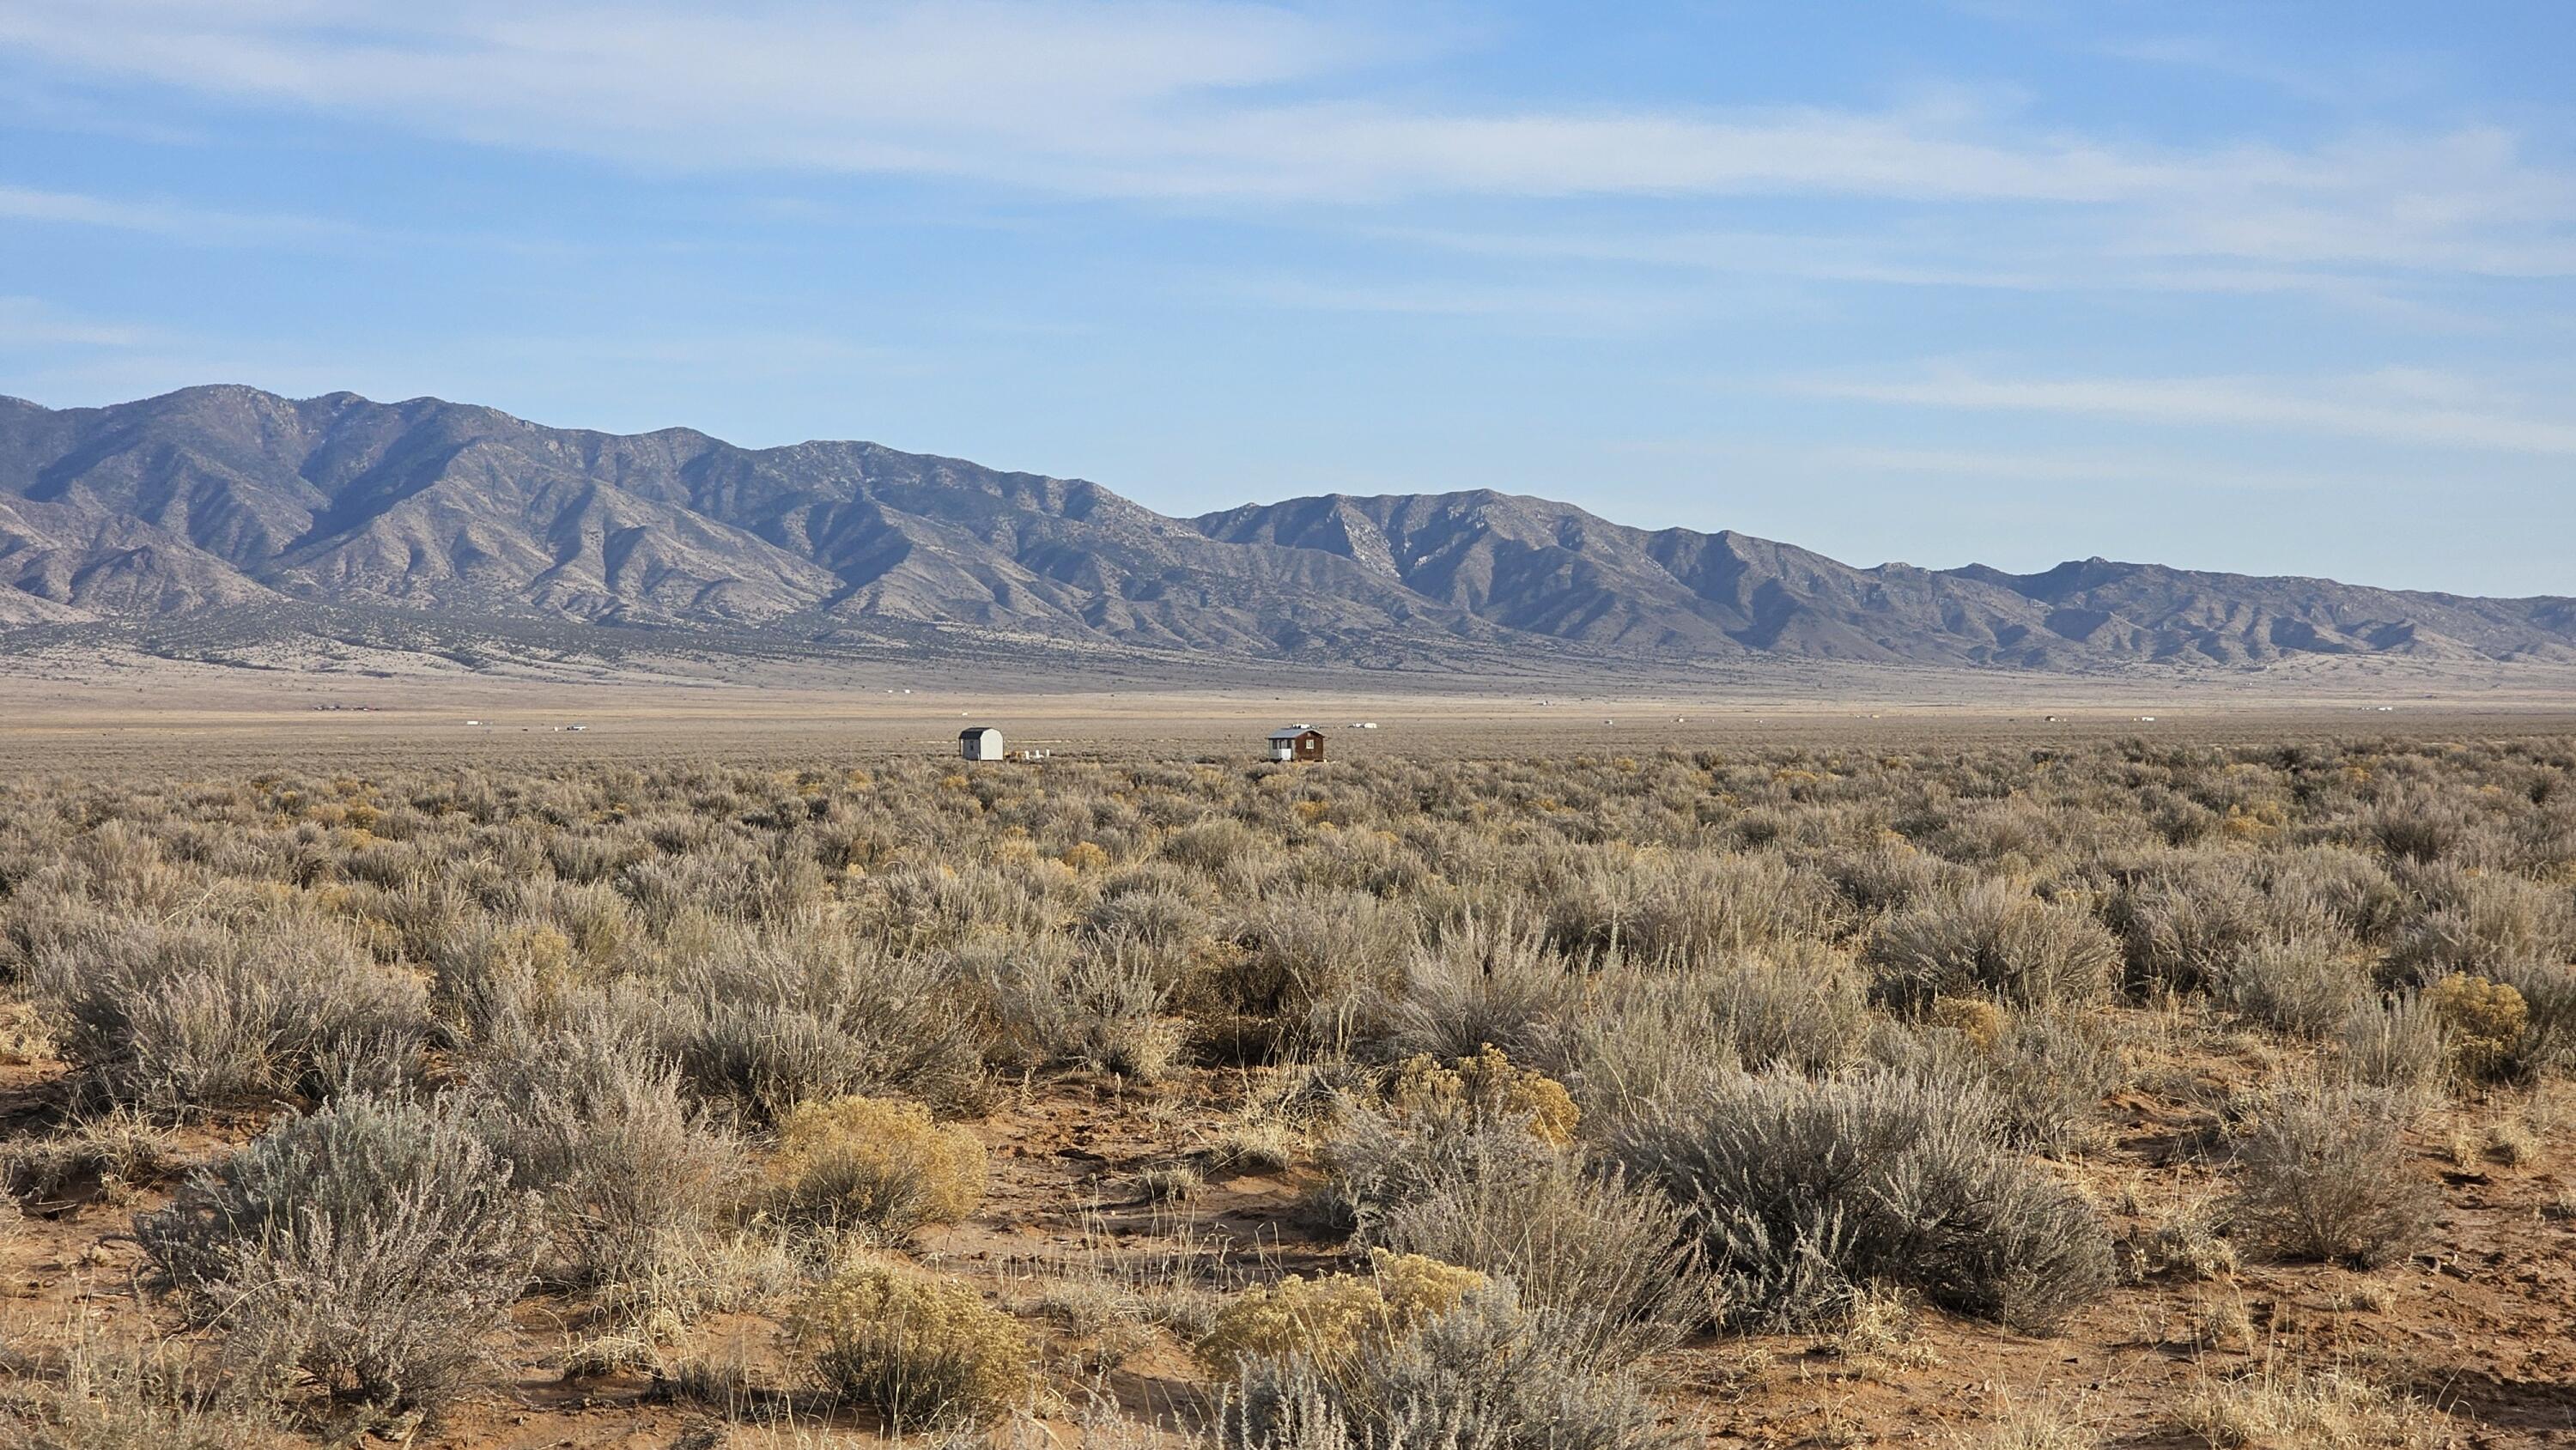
(1297, 742)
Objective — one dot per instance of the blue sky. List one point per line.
(2283, 288)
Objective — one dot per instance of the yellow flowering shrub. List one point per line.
(2481, 1020)
(918, 1351)
(1333, 1317)
(876, 1163)
(1486, 1085)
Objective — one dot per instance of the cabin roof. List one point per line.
(1293, 732)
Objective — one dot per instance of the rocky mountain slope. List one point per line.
(226, 500)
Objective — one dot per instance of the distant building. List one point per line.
(979, 742)
(1297, 742)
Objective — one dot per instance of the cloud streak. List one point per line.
(1244, 104)
(2409, 408)
(166, 219)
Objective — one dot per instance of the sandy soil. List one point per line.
(160, 716)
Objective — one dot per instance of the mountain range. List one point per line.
(230, 502)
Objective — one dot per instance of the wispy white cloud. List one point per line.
(164, 218)
(2411, 407)
(2059, 466)
(1249, 103)
(31, 322)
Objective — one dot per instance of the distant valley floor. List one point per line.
(104, 710)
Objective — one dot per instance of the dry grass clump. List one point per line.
(2046, 1076)
(1097, 1005)
(764, 1025)
(1317, 964)
(1484, 982)
(2188, 923)
(1434, 1125)
(2020, 1426)
(117, 1150)
(2189, 1245)
(2326, 1175)
(2306, 985)
(920, 1352)
(366, 1247)
(2291, 1409)
(877, 1165)
(2397, 1045)
(131, 1397)
(1656, 1036)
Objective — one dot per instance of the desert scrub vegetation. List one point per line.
(367, 1246)
(1416, 1352)
(920, 1352)
(2325, 1175)
(1652, 1056)
(876, 1165)
(1805, 1192)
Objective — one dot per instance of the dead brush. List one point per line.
(2027, 1425)
(118, 1151)
(2189, 1245)
(2283, 1407)
(114, 1394)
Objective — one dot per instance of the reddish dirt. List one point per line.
(2480, 1326)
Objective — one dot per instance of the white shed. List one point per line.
(979, 742)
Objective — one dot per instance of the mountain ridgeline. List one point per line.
(218, 500)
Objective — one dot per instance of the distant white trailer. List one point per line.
(979, 742)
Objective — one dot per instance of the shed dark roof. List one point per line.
(976, 730)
